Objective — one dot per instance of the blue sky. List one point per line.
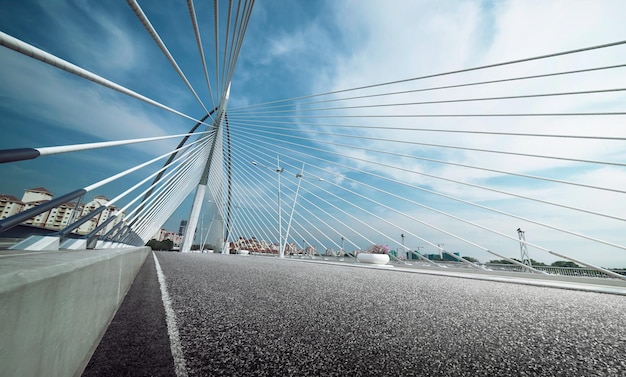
(295, 48)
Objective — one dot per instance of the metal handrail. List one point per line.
(554, 270)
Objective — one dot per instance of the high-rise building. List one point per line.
(32, 198)
(100, 218)
(9, 206)
(62, 215)
(183, 227)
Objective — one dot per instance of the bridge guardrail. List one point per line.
(552, 270)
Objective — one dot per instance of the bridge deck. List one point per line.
(240, 315)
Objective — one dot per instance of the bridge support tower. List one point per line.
(525, 258)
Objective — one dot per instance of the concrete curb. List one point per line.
(598, 285)
(55, 306)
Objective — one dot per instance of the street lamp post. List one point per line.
(206, 236)
(281, 251)
(231, 227)
(295, 198)
(418, 250)
(342, 239)
(299, 176)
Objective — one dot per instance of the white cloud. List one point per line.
(66, 102)
(357, 43)
(412, 39)
(99, 41)
(384, 50)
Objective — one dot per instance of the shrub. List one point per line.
(378, 249)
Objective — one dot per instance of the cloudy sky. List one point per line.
(300, 48)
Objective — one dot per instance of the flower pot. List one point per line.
(373, 258)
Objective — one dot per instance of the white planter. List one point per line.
(373, 258)
(244, 252)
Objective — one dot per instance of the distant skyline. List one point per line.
(301, 47)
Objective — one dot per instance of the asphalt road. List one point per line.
(258, 316)
(136, 342)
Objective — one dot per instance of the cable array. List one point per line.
(143, 214)
(437, 166)
(389, 171)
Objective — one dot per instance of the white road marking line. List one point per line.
(172, 328)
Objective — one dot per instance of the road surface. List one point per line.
(259, 316)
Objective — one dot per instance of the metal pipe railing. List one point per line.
(20, 217)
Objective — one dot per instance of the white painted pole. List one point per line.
(295, 199)
(281, 250)
(201, 190)
(193, 218)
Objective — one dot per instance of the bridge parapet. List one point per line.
(56, 305)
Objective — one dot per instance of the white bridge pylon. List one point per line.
(214, 169)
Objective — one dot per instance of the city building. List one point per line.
(39, 194)
(254, 245)
(164, 234)
(62, 215)
(176, 238)
(160, 235)
(100, 218)
(443, 257)
(9, 206)
(32, 198)
(183, 227)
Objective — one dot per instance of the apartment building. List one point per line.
(61, 216)
(9, 206)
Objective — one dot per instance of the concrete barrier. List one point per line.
(56, 305)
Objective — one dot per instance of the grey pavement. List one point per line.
(259, 316)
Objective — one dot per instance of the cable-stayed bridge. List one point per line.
(492, 170)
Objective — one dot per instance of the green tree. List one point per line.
(153, 244)
(378, 249)
(536, 263)
(207, 246)
(502, 261)
(161, 245)
(471, 259)
(564, 263)
(167, 245)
